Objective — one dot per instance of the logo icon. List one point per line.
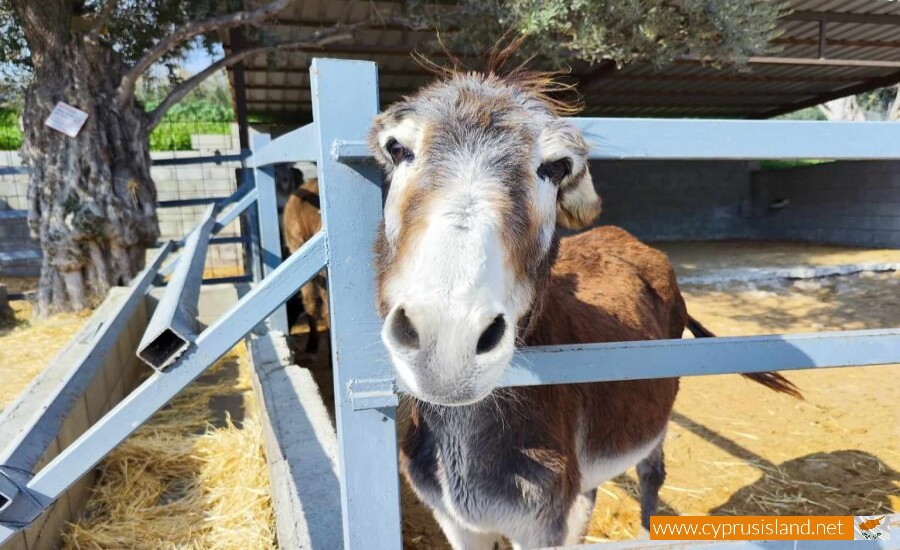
(871, 528)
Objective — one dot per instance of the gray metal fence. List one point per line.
(345, 99)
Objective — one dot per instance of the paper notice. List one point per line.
(66, 119)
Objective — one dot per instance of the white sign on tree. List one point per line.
(66, 119)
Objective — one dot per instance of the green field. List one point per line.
(173, 134)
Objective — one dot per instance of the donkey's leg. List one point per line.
(534, 532)
(579, 515)
(461, 538)
(651, 473)
(310, 304)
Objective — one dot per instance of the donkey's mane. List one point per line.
(560, 97)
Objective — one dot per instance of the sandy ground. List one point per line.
(736, 448)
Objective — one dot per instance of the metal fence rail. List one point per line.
(344, 101)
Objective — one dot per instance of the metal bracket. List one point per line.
(8, 492)
(350, 152)
(376, 393)
(16, 500)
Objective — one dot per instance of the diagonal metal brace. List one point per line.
(375, 393)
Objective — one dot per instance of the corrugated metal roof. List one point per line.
(862, 52)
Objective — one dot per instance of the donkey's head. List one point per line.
(481, 169)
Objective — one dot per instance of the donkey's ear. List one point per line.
(577, 202)
(379, 123)
(397, 123)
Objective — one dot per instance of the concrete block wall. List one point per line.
(846, 203)
(13, 187)
(675, 200)
(172, 182)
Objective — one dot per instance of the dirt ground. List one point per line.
(736, 448)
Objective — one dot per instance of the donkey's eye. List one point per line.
(555, 171)
(398, 152)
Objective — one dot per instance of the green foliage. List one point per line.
(809, 113)
(624, 31)
(208, 102)
(176, 136)
(206, 110)
(133, 27)
(877, 103)
(10, 134)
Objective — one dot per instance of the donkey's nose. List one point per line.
(402, 330)
(491, 336)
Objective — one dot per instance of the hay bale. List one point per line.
(28, 344)
(187, 479)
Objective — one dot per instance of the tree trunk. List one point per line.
(845, 108)
(92, 202)
(893, 112)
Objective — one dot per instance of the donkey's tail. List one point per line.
(771, 380)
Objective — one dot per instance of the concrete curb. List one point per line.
(752, 274)
(301, 448)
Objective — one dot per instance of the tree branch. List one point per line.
(102, 18)
(191, 30)
(178, 93)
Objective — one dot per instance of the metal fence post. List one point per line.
(269, 231)
(345, 98)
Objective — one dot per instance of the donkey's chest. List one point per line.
(484, 480)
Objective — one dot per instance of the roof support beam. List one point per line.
(806, 61)
(873, 63)
(240, 89)
(835, 17)
(822, 39)
(893, 44)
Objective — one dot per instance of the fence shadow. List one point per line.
(846, 482)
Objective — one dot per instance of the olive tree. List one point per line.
(92, 201)
(623, 31)
(880, 104)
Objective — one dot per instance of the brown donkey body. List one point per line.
(301, 220)
(480, 169)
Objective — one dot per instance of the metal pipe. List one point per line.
(133, 411)
(715, 139)
(301, 144)
(173, 326)
(212, 159)
(236, 210)
(617, 361)
(223, 219)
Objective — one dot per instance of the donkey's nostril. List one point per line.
(403, 330)
(491, 335)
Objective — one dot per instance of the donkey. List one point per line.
(480, 169)
(301, 220)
